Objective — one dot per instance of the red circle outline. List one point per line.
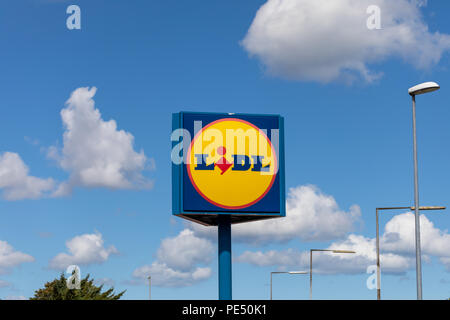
(218, 204)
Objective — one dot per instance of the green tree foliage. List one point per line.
(58, 290)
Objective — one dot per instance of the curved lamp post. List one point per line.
(285, 272)
(413, 92)
(310, 264)
(378, 238)
(149, 287)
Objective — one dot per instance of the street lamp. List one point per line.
(423, 88)
(378, 238)
(310, 264)
(149, 287)
(286, 272)
(416, 90)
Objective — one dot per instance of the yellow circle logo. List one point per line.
(232, 163)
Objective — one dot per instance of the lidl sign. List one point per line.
(227, 164)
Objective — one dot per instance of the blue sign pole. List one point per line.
(224, 226)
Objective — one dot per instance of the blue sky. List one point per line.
(342, 91)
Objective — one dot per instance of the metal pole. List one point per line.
(416, 207)
(271, 285)
(149, 287)
(378, 237)
(224, 235)
(310, 274)
(279, 272)
(378, 261)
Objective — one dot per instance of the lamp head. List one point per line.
(298, 272)
(343, 251)
(423, 88)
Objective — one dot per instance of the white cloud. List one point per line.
(164, 276)
(326, 40)
(16, 298)
(332, 263)
(185, 250)
(5, 284)
(10, 258)
(311, 216)
(284, 258)
(95, 152)
(105, 282)
(365, 255)
(83, 250)
(16, 182)
(177, 261)
(399, 236)
(446, 262)
(397, 248)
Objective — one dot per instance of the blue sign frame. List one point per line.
(188, 204)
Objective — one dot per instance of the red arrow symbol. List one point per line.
(223, 164)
